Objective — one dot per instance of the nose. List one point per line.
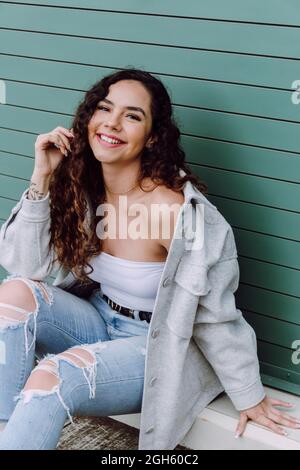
(113, 121)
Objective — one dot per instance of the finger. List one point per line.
(66, 132)
(62, 141)
(285, 415)
(276, 402)
(62, 149)
(284, 421)
(268, 423)
(57, 140)
(65, 139)
(241, 426)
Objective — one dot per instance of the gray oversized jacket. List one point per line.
(198, 343)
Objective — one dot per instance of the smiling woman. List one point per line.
(158, 307)
(134, 108)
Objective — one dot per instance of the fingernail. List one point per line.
(285, 433)
(66, 153)
(237, 435)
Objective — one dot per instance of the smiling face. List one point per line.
(124, 114)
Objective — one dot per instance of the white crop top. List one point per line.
(132, 284)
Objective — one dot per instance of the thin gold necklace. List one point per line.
(130, 189)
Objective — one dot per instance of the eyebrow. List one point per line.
(131, 108)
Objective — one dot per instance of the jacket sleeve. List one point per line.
(25, 238)
(222, 334)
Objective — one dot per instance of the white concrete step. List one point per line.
(214, 429)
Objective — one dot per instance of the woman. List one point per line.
(131, 323)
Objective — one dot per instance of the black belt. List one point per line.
(128, 312)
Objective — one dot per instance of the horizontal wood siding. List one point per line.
(233, 70)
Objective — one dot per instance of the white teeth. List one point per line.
(108, 139)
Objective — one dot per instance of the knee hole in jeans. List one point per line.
(17, 301)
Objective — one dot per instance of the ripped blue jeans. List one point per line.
(94, 356)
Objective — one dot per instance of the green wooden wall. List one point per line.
(231, 69)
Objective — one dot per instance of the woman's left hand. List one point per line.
(265, 414)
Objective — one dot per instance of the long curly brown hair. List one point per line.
(80, 176)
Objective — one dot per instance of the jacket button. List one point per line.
(155, 333)
(166, 281)
(151, 429)
(152, 381)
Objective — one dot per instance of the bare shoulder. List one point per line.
(164, 195)
(167, 221)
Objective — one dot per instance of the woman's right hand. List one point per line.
(50, 149)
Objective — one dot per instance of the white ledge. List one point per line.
(214, 428)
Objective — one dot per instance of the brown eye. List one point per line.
(136, 118)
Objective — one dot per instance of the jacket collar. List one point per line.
(191, 193)
(192, 210)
